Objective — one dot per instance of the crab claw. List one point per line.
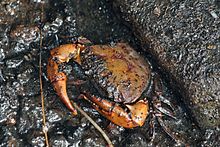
(58, 79)
(59, 85)
(116, 114)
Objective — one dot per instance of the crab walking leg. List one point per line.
(58, 79)
(112, 111)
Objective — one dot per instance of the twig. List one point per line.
(94, 124)
(41, 86)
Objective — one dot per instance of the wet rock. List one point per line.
(134, 141)
(16, 108)
(8, 136)
(18, 11)
(211, 138)
(18, 25)
(22, 76)
(59, 141)
(99, 26)
(92, 138)
(25, 34)
(73, 131)
(4, 41)
(36, 139)
(31, 116)
(184, 37)
(53, 27)
(8, 103)
(54, 116)
(21, 39)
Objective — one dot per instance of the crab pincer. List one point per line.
(58, 79)
(134, 117)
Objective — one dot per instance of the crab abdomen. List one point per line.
(118, 70)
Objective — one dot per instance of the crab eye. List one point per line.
(56, 59)
(72, 55)
(84, 41)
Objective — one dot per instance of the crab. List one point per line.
(122, 75)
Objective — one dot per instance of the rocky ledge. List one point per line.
(183, 36)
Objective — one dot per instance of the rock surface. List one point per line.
(184, 37)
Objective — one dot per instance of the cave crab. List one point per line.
(122, 75)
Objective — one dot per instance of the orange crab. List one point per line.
(119, 71)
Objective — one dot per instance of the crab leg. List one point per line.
(158, 98)
(112, 111)
(58, 79)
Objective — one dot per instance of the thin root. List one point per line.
(41, 86)
(94, 124)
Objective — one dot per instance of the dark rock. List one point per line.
(19, 21)
(19, 11)
(212, 138)
(36, 138)
(25, 34)
(184, 37)
(59, 141)
(134, 141)
(92, 138)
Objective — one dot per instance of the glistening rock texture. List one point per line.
(184, 37)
